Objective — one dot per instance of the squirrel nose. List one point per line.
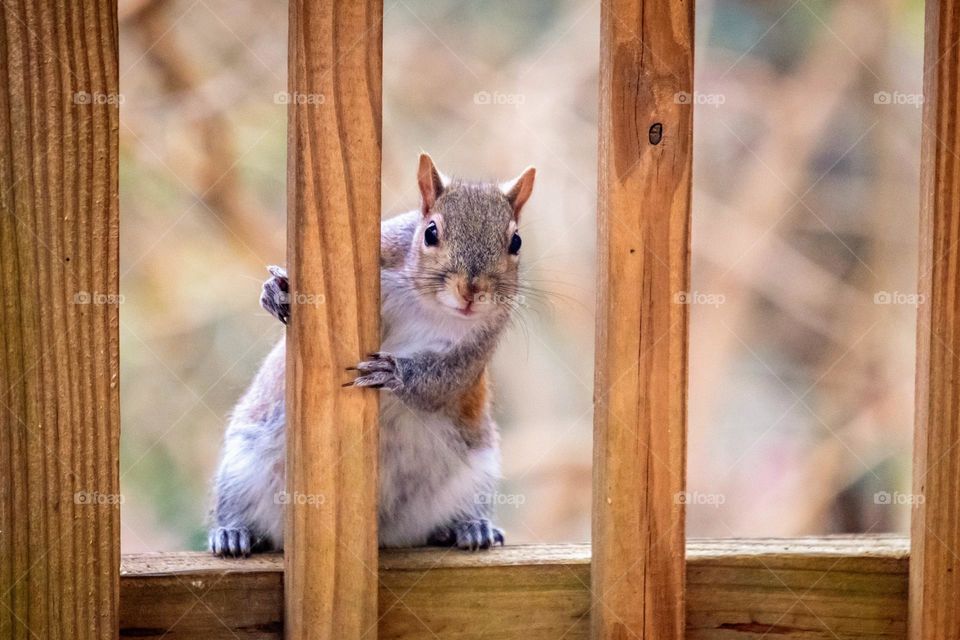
(467, 289)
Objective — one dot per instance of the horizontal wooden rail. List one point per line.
(837, 587)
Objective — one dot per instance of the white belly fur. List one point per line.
(426, 479)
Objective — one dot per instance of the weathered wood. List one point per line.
(935, 531)
(59, 296)
(335, 58)
(646, 76)
(851, 588)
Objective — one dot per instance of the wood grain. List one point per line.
(333, 181)
(59, 286)
(935, 530)
(851, 588)
(646, 69)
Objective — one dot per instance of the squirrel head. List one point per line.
(466, 248)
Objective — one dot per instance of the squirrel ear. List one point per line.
(431, 182)
(519, 189)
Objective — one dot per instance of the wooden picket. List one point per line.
(59, 297)
(643, 222)
(333, 185)
(935, 531)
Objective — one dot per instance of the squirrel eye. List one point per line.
(430, 237)
(515, 244)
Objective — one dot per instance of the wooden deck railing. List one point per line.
(736, 589)
(60, 571)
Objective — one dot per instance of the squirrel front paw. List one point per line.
(230, 542)
(469, 535)
(275, 297)
(380, 370)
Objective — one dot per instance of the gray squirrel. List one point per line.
(449, 282)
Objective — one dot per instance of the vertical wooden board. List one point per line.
(646, 76)
(59, 297)
(335, 58)
(935, 531)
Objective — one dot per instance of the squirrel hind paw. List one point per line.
(230, 542)
(470, 535)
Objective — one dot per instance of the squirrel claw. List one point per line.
(230, 542)
(375, 379)
(379, 371)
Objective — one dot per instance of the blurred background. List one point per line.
(803, 305)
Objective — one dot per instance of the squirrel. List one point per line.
(449, 282)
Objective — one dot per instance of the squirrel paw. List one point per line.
(275, 297)
(379, 371)
(230, 542)
(469, 535)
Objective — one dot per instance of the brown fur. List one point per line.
(471, 415)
